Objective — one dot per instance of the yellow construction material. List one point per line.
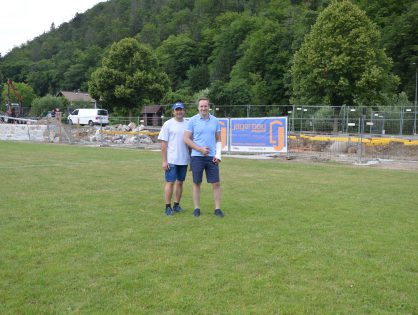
(367, 141)
(149, 133)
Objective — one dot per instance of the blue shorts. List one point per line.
(176, 172)
(200, 163)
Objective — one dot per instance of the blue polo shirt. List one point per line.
(204, 133)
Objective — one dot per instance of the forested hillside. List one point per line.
(238, 51)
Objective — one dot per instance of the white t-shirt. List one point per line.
(172, 132)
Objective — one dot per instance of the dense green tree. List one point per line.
(178, 54)
(171, 97)
(265, 63)
(197, 77)
(42, 105)
(265, 54)
(235, 41)
(130, 76)
(78, 72)
(400, 39)
(235, 92)
(341, 60)
(15, 65)
(24, 90)
(399, 28)
(229, 33)
(43, 77)
(383, 11)
(150, 35)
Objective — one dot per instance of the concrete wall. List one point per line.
(24, 132)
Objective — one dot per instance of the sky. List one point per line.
(23, 20)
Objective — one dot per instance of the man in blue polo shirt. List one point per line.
(203, 136)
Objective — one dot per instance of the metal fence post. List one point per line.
(401, 121)
(101, 132)
(414, 132)
(70, 136)
(47, 128)
(371, 120)
(301, 119)
(345, 120)
(361, 124)
(27, 126)
(293, 119)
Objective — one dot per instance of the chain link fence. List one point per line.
(354, 139)
(322, 132)
(399, 120)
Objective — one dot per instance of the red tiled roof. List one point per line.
(76, 96)
(152, 109)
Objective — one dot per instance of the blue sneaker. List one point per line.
(177, 208)
(169, 211)
(219, 213)
(196, 212)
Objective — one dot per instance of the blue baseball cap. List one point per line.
(178, 105)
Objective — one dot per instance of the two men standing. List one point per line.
(203, 135)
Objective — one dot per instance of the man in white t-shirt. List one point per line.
(176, 157)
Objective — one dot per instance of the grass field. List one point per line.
(82, 231)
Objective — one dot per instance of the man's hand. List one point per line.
(166, 166)
(204, 150)
(216, 161)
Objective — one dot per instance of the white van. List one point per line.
(89, 116)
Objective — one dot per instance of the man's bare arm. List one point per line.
(188, 140)
(164, 155)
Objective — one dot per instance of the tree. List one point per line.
(197, 77)
(177, 55)
(400, 38)
(234, 39)
(265, 62)
(25, 91)
(229, 33)
(15, 65)
(179, 95)
(130, 75)
(150, 35)
(43, 77)
(235, 92)
(42, 105)
(84, 63)
(341, 61)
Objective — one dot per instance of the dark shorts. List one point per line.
(200, 163)
(176, 172)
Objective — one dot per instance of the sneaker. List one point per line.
(219, 213)
(196, 212)
(177, 208)
(169, 211)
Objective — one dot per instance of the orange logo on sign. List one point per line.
(223, 133)
(279, 143)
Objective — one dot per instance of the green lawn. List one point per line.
(82, 231)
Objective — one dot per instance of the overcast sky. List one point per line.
(23, 20)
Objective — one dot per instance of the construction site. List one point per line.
(381, 139)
